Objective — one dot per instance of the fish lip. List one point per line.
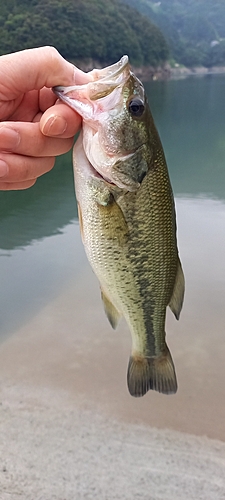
(85, 110)
(82, 98)
(111, 71)
(114, 70)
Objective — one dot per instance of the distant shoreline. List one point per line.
(165, 72)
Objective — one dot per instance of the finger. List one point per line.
(34, 69)
(27, 109)
(24, 168)
(15, 186)
(32, 101)
(26, 139)
(47, 98)
(60, 120)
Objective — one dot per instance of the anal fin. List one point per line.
(177, 298)
(112, 313)
(156, 373)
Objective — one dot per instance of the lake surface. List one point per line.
(42, 261)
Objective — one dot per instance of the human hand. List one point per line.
(34, 128)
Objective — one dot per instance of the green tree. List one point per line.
(189, 27)
(102, 30)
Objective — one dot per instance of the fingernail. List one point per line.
(3, 168)
(55, 125)
(9, 139)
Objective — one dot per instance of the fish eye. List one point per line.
(136, 107)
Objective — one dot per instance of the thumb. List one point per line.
(33, 69)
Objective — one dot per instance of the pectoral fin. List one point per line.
(177, 298)
(112, 313)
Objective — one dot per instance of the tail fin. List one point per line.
(156, 373)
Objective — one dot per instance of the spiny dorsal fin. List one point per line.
(177, 298)
(156, 373)
(112, 313)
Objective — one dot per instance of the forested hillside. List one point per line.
(194, 29)
(102, 30)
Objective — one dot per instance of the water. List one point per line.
(42, 259)
(190, 117)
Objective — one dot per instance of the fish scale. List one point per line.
(127, 218)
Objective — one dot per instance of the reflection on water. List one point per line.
(41, 253)
(35, 274)
(190, 115)
(40, 211)
(37, 244)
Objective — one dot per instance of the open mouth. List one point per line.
(83, 98)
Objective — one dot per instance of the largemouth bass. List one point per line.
(127, 217)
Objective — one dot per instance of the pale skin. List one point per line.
(34, 126)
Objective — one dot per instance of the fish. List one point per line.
(127, 217)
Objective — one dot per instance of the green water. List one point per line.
(38, 226)
(190, 117)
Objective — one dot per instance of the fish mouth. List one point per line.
(83, 98)
(97, 101)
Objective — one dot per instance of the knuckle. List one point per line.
(50, 49)
(51, 163)
(67, 145)
(53, 54)
(24, 173)
(31, 168)
(4, 186)
(29, 184)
